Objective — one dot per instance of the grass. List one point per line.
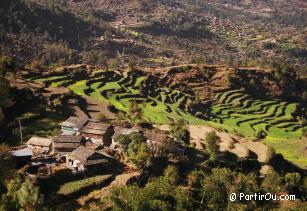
(233, 106)
(78, 87)
(76, 186)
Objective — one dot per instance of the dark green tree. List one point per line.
(180, 131)
(158, 194)
(212, 140)
(135, 148)
(272, 183)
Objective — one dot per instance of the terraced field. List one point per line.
(233, 110)
(157, 102)
(240, 113)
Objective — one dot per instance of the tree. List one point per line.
(21, 195)
(159, 194)
(135, 113)
(272, 183)
(7, 64)
(246, 184)
(135, 148)
(6, 163)
(293, 180)
(212, 140)
(211, 197)
(29, 196)
(180, 132)
(172, 173)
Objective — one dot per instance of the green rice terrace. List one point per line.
(232, 110)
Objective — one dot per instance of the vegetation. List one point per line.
(212, 145)
(21, 194)
(180, 132)
(159, 194)
(135, 62)
(79, 185)
(136, 149)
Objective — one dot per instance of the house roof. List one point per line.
(60, 145)
(26, 152)
(75, 122)
(96, 128)
(38, 141)
(67, 139)
(123, 131)
(157, 137)
(69, 133)
(82, 154)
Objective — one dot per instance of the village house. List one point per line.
(73, 125)
(39, 145)
(82, 159)
(65, 144)
(120, 131)
(98, 133)
(22, 156)
(162, 144)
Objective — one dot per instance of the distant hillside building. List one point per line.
(83, 158)
(98, 133)
(73, 125)
(65, 144)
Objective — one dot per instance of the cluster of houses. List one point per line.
(83, 144)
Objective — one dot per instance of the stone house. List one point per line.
(65, 144)
(82, 159)
(98, 133)
(73, 125)
(39, 145)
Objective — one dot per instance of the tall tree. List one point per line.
(179, 130)
(212, 140)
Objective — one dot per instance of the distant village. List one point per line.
(85, 145)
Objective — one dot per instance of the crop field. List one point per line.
(233, 110)
(240, 113)
(158, 103)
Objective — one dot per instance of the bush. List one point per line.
(57, 53)
(272, 183)
(212, 140)
(293, 180)
(101, 117)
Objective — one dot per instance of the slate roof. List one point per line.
(26, 152)
(38, 141)
(157, 137)
(83, 154)
(75, 122)
(123, 131)
(96, 128)
(67, 139)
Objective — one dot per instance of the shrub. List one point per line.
(293, 180)
(272, 183)
(212, 140)
(101, 117)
